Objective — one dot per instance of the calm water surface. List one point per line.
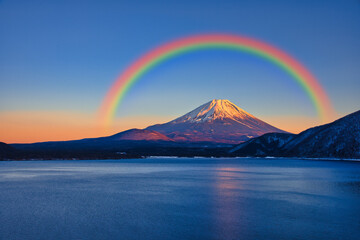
(180, 199)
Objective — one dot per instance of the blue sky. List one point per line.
(64, 55)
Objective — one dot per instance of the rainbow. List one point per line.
(164, 52)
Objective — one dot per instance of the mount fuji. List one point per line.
(209, 130)
(216, 121)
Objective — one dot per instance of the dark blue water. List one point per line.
(180, 199)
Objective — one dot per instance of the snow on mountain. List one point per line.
(215, 121)
(216, 109)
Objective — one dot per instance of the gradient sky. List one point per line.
(59, 58)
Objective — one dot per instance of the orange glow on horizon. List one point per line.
(40, 126)
(292, 124)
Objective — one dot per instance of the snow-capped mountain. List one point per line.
(215, 121)
(216, 109)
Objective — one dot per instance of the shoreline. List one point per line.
(184, 157)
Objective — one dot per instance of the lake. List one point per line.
(180, 198)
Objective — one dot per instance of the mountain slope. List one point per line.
(268, 144)
(6, 151)
(215, 121)
(339, 139)
(139, 135)
(129, 137)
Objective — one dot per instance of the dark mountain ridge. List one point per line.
(339, 139)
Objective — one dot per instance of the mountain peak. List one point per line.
(218, 120)
(215, 109)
